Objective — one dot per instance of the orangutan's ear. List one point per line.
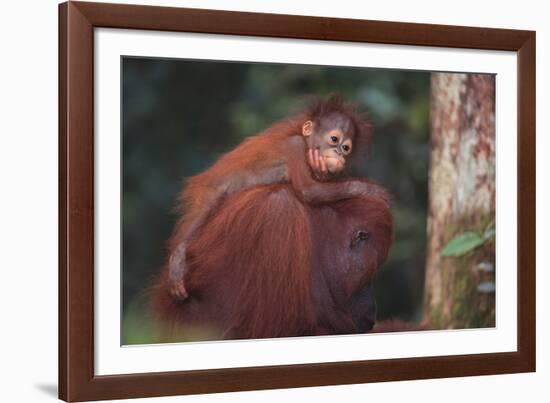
(307, 128)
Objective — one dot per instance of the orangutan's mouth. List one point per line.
(334, 164)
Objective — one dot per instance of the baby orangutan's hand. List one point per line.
(318, 165)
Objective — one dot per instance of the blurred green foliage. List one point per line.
(180, 115)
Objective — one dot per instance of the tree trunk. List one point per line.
(460, 288)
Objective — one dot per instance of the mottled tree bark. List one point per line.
(462, 199)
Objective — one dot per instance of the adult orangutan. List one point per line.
(266, 264)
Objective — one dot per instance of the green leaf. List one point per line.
(462, 244)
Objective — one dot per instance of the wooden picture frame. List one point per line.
(77, 21)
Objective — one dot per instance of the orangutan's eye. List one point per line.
(360, 236)
(334, 139)
(346, 146)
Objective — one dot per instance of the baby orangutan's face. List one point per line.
(333, 138)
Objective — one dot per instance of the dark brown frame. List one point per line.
(77, 21)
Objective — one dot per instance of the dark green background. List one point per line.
(180, 115)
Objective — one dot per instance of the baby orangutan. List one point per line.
(310, 151)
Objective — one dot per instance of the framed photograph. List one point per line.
(255, 201)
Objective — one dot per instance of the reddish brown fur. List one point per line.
(248, 156)
(266, 265)
(259, 151)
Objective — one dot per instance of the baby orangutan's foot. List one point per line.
(178, 291)
(176, 270)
